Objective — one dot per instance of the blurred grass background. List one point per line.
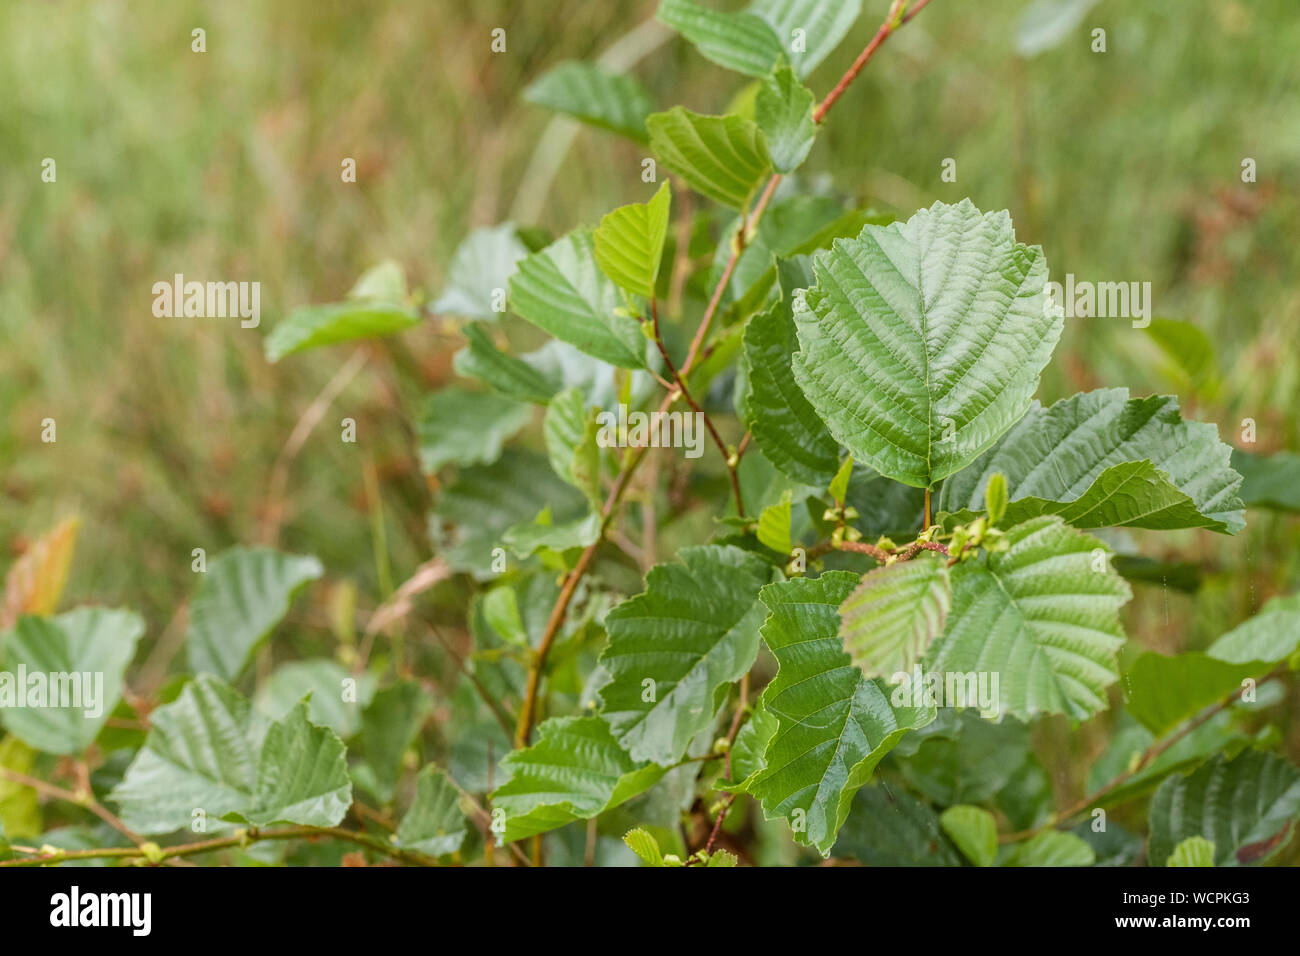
(225, 165)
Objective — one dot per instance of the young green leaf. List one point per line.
(995, 497)
(738, 41)
(774, 525)
(894, 613)
(240, 598)
(833, 725)
(460, 427)
(1246, 806)
(434, 824)
(1102, 459)
(640, 842)
(1194, 851)
(939, 324)
(575, 771)
(93, 646)
(630, 243)
(722, 157)
(839, 486)
(337, 696)
(675, 649)
(974, 831)
(1043, 616)
(783, 111)
(562, 291)
(594, 95)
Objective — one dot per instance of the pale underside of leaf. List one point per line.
(894, 613)
(1043, 616)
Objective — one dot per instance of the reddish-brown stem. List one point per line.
(695, 406)
(527, 711)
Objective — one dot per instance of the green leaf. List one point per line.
(209, 751)
(1102, 459)
(594, 95)
(1051, 848)
(562, 291)
(435, 824)
(570, 431)
(774, 525)
(20, 809)
(1043, 615)
(747, 753)
(630, 243)
(480, 272)
(338, 696)
(833, 725)
(995, 497)
(302, 776)
(675, 649)
(1269, 481)
(78, 658)
(471, 516)
(389, 726)
(891, 617)
(784, 424)
(1271, 636)
(974, 831)
(1194, 851)
(575, 771)
(240, 599)
(1188, 353)
(511, 376)
(640, 842)
(783, 110)
(939, 324)
(312, 326)
(887, 826)
(839, 486)
(1245, 806)
(1161, 692)
(738, 41)
(722, 157)
(460, 427)
(824, 23)
(528, 538)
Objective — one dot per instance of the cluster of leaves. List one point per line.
(897, 503)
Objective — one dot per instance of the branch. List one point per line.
(527, 712)
(695, 406)
(154, 854)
